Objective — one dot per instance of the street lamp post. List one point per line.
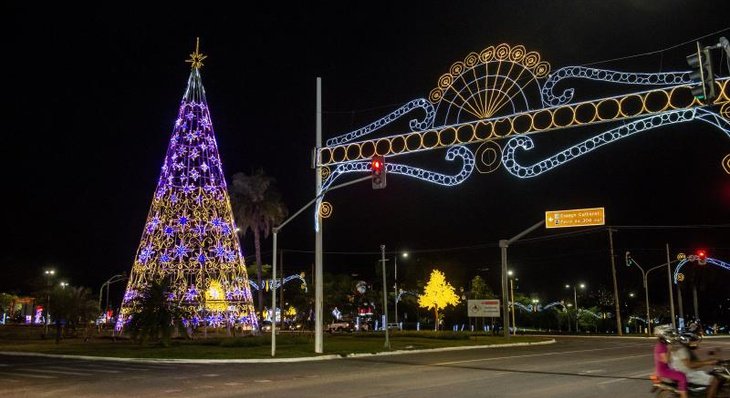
(575, 301)
(512, 300)
(395, 283)
(385, 299)
(115, 278)
(644, 276)
(49, 274)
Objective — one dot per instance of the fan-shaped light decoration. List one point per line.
(492, 82)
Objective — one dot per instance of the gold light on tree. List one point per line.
(437, 295)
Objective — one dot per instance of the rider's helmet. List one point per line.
(665, 333)
(691, 340)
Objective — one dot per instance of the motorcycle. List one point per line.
(663, 388)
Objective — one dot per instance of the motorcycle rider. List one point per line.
(666, 335)
(685, 360)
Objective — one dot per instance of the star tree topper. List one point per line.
(196, 58)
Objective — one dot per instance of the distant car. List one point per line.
(393, 326)
(265, 326)
(340, 326)
(296, 326)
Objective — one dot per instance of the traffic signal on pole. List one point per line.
(377, 165)
(702, 256)
(702, 74)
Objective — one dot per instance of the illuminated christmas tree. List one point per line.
(190, 238)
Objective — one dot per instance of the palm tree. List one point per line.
(74, 305)
(155, 315)
(257, 207)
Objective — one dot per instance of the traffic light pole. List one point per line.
(318, 287)
(503, 244)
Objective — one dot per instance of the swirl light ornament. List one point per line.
(190, 238)
(325, 209)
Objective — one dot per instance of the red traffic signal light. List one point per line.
(701, 256)
(377, 165)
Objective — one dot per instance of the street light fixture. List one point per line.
(575, 300)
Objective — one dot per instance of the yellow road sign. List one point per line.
(575, 217)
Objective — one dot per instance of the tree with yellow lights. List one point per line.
(437, 295)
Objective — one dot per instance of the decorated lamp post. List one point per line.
(395, 282)
(511, 274)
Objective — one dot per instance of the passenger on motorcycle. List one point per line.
(665, 336)
(685, 360)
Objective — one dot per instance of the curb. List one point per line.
(443, 349)
(266, 360)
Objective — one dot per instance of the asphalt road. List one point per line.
(572, 367)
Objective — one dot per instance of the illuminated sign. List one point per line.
(575, 218)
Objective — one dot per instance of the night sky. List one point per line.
(93, 95)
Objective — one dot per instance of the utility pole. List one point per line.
(671, 293)
(512, 294)
(395, 285)
(318, 289)
(615, 284)
(281, 286)
(694, 300)
(385, 299)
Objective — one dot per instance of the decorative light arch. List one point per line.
(269, 284)
(692, 258)
(486, 107)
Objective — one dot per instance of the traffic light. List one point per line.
(377, 165)
(701, 256)
(702, 74)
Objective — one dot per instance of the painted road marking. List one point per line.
(29, 375)
(639, 375)
(592, 371)
(532, 355)
(84, 369)
(57, 372)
